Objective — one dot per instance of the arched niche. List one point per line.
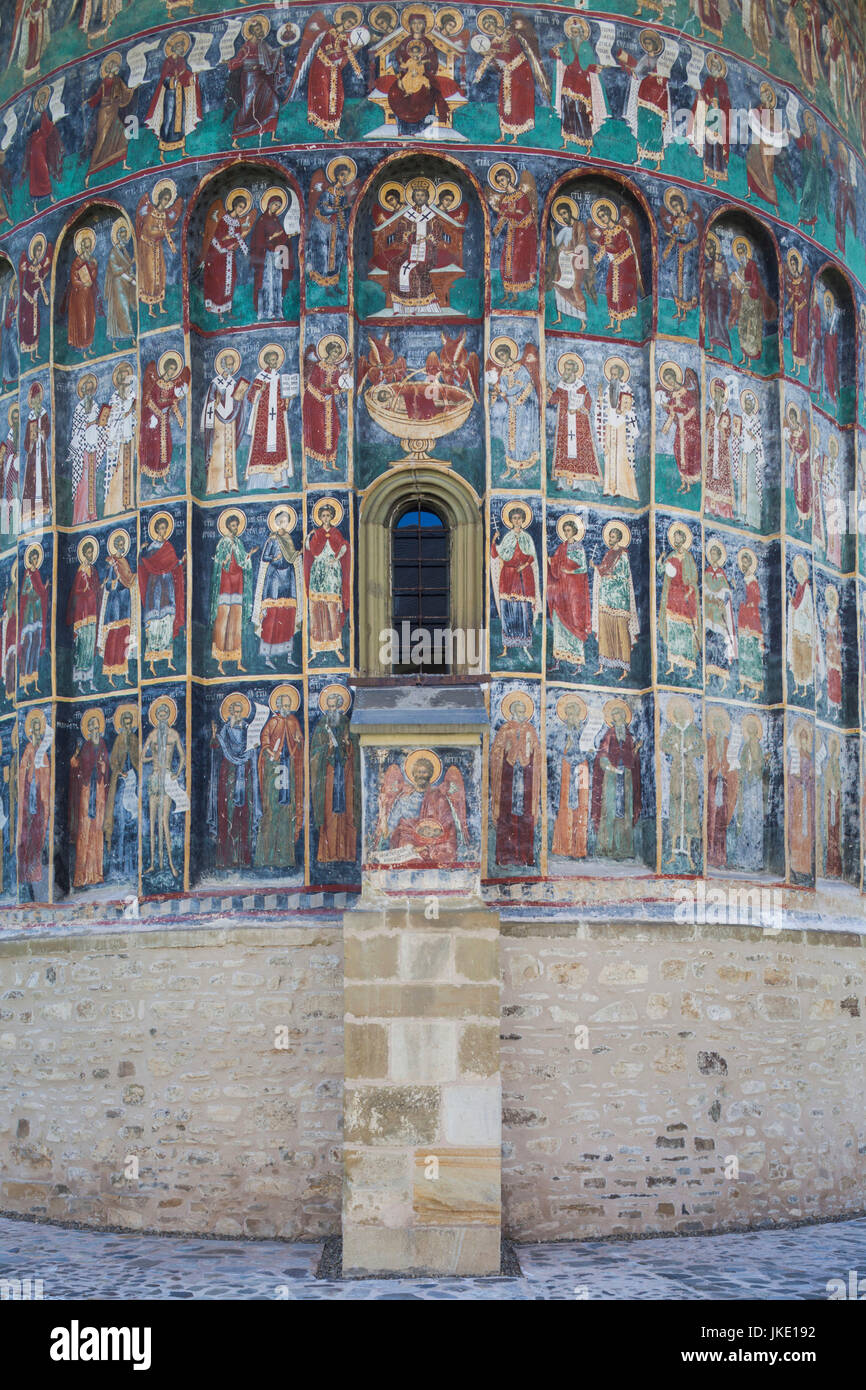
(9, 409)
(9, 366)
(598, 258)
(241, 258)
(461, 508)
(832, 345)
(241, 245)
(95, 301)
(418, 296)
(740, 294)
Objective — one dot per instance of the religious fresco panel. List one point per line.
(98, 749)
(162, 589)
(800, 798)
(836, 649)
(35, 637)
(98, 638)
(248, 613)
(741, 617)
(516, 775)
(164, 413)
(837, 809)
(248, 766)
(164, 778)
(36, 446)
(741, 433)
(329, 566)
(600, 781)
(512, 378)
(335, 784)
(517, 608)
(34, 805)
(741, 294)
(745, 799)
(96, 295)
(681, 785)
(9, 807)
(800, 629)
(598, 420)
(798, 465)
(328, 374)
(9, 616)
(678, 599)
(96, 411)
(597, 596)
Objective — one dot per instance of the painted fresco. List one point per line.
(255, 265)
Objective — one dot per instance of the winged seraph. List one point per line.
(669, 220)
(394, 784)
(523, 30)
(382, 363)
(526, 184)
(457, 366)
(315, 30)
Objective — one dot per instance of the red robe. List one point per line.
(88, 784)
(516, 794)
(34, 793)
(327, 616)
(44, 157)
(518, 264)
(580, 462)
(84, 596)
(619, 754)
(33, 283)
(568, 593)
(220, 264)
(159, 402)
(268, 235)
(158, 562)
(621, 287)
(325, 94)
(683, 405)
(80, 302)
(321, 416)
(516, 86)
(798, 303)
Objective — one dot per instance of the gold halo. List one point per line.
(157, 704)
(507, 701)
(608, 708)
(383, 18)
(113, 537)
(410, 10)
(680, 526)
(498, 168)
(175, 357)
(604, 203)
(82, 385)
(121, 711)
(323, 343)
(717, 714)
(798, 565)
(422, 755)
(766, 90)
(449, 187)
(574, 357)
(579, 523)
(671, 193)
(340, 159)
(648, 40)
(576, 21)
(173, 38)
(119, 368)
(714, 542)
(418, 179)
(36, 392)
(13, 406)
(341, 690)
(343, 10)
(498, 342)
(33, 240)
(674, 367)
(331, 502)
(160, 516)
(798, 727)
(275, 511)
(272, 347)
(76, 240)
(831, 590)
(751, 721)
(248, 23)
(571, 699)
(557, 202)
(44, 90)
(828, 294)
(230, 699)
(712, 56)
(454, 13)
(794, 256)
(741, 243)
(291, 694)
(159, 186)
(391, 186)
(92, 714)
(235, 193)
(515, 504)
(485, 14)
(620, 525)
(222, 523)
(274, 192)
(29, 719)
(28, 551)
(116, 226)
(751, 395)
(115, 56)
(679, 702)
(616, 361)
(750, 556)
(87, 540)
(713, 244)
(228, 352)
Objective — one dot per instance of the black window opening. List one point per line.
(421, 591)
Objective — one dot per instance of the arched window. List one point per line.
(421, 587)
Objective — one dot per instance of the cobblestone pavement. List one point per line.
(794, 1264)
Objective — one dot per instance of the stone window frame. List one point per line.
(461, 508)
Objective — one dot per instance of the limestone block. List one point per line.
(472, 1115)
(423, 1051)
(461, 1188)
(392, 1115)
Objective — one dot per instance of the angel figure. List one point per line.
(454, 365)
(514, 384)
(512, 47)
(332, 193)
(514, 204)
(166, 382)
(515, 577)
(422, 813)
(683, 225)
(225, 239)
(325, 50)
(616, 233)
(381, 366)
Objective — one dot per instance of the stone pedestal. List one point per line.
(422, 1108)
